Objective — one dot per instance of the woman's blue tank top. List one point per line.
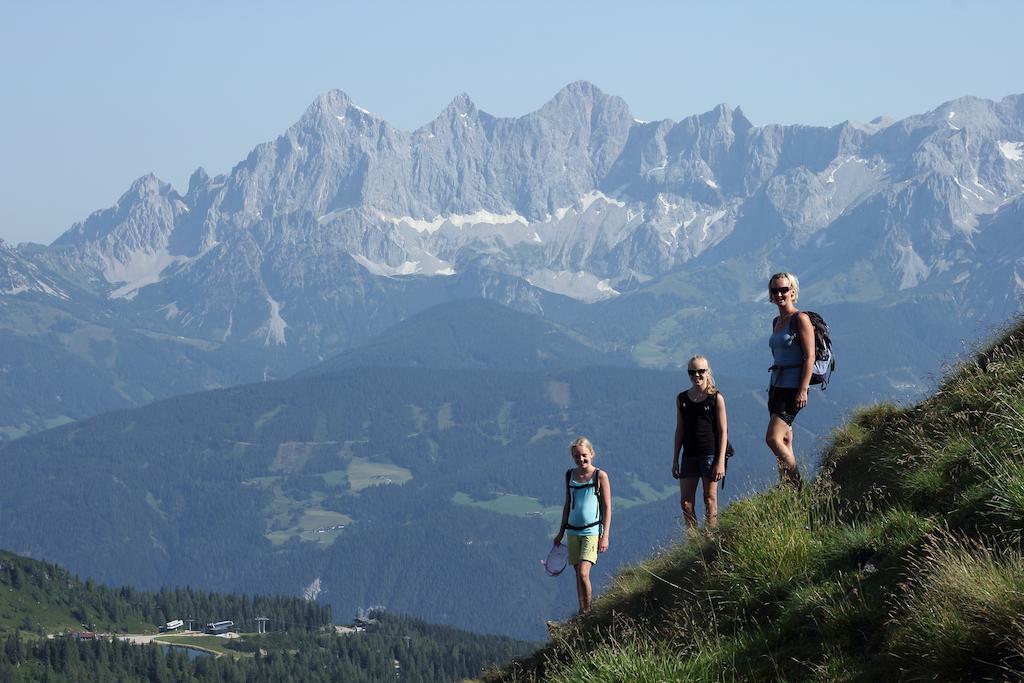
(786, 350)
(584, 507)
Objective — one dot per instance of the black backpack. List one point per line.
(824, 358)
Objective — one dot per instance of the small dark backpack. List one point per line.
(824, 358)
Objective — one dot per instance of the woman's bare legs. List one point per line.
(687, 501)
(780, 439)
(710, 503)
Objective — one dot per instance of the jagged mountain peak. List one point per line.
(580, 95)
(330, 109)
(461, 104)
(727, 117)
(199, 179)
(147, 183)
(580, 90)
(332, 101)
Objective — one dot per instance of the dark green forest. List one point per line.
(42, 606)
(41, 597)
(393, 646)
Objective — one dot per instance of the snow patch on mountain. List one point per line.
(968, 190)
(480, 217)
(595, 195)
(14, 288)
(275, 325)
(430, 265)
(1012, 151)
(832, 173)
(579, 285)
(139, 268)
(911, 267)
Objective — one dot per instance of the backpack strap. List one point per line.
(714, 427)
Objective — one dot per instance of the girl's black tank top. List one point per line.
(698, 426)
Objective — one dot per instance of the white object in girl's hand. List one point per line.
(557, 559)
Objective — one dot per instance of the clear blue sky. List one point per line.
(96, 94)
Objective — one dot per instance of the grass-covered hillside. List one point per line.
(903, 561)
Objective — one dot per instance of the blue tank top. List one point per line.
(786, 350)
(584, 507)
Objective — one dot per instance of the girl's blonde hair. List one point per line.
(710, 376)
(585, 443)
(794, 282)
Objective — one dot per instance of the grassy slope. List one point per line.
(903, 561)
(39, 597)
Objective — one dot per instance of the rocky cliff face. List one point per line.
(577, 198)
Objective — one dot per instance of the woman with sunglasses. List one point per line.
(792, 345)
(702, 432)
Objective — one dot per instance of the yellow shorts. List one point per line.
(582, 548)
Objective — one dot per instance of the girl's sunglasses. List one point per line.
(779, 290)
(699, 371)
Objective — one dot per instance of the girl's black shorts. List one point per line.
(782, 402)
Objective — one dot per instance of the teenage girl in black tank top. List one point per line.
(700, 413)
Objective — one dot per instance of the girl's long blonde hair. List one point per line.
(712, 387)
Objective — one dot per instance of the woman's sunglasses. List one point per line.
(699, 371)
(779, 290)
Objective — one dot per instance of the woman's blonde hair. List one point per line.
(710, 376)
(585, 443)
(794, 282)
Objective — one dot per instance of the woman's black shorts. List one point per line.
(782, 402)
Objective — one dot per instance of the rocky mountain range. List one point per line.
(649, 238)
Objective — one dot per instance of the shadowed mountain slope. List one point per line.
(473, 334)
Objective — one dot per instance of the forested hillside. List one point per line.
(903, 561)
(42, 605)
(39, 598)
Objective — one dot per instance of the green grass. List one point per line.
(363, 473)
(13, 432)
(314, 526)
(213, 644)
(40, 599)
(507, 504)
(336, 478)
(290, 516)
(903, 560)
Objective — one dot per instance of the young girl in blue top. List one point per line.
(587, 515)
(792, 344)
